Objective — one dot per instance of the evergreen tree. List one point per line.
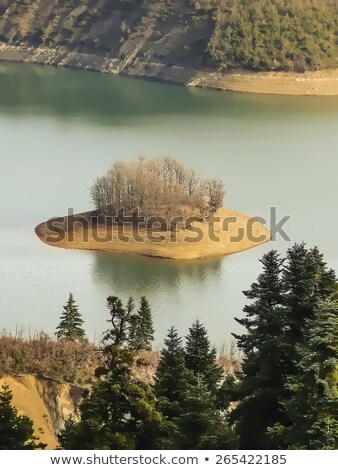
(263, 345)
(70, 326)
(121, 320)
(285, 300)
(201, 426)
(307, 281)
(172, 376)
(120, 412)
(142, 331)
(200, 358)
(68, 436)
(313, 405)
(16, 431)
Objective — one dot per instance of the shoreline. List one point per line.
(233, 232)
(317, 83)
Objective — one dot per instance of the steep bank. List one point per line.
(164, 40)
(47, 403)
(230, 233)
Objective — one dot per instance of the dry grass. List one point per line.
(64, 361)
(75, 363)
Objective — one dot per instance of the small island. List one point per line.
(157, 208)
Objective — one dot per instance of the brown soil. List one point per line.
(231, 233)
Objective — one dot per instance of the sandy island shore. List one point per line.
(232, 232)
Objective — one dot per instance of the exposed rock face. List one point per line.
(162, 39)
(47, 402)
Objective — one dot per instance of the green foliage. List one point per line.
(282, 315)
(120, 411)
(70, 326)
(200, 358)
(313, 404)
(16, 431)
(141, 334)
(263, 363)
(200, 425)
(172, 376)
(275, 34)
(129, 328)
(186, 385)
(121, 321)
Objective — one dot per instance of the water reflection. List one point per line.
(139, 276)
(179, 292)
(109, 100)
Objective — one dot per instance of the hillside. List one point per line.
(125, 34)
(173, 40)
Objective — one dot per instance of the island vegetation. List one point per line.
(161, 187)
(283, 394)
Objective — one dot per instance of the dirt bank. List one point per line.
(46, 402)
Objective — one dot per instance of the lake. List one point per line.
(59, 129)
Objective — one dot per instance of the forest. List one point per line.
(283, 395)
(295, 35)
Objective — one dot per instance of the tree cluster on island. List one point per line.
(285, 395)
(161, 187)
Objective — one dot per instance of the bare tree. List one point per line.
(215, 192)
(158, 187)
(192, 181)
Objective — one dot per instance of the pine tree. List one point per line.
(16, 431)
(68, 436)
(263, 344)
(120, 412)
(200, 358)
(141, 333)
(307, 281)
(201, 426)
(313, 405)
(70, 326)
(285, 300)
(172, 376)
